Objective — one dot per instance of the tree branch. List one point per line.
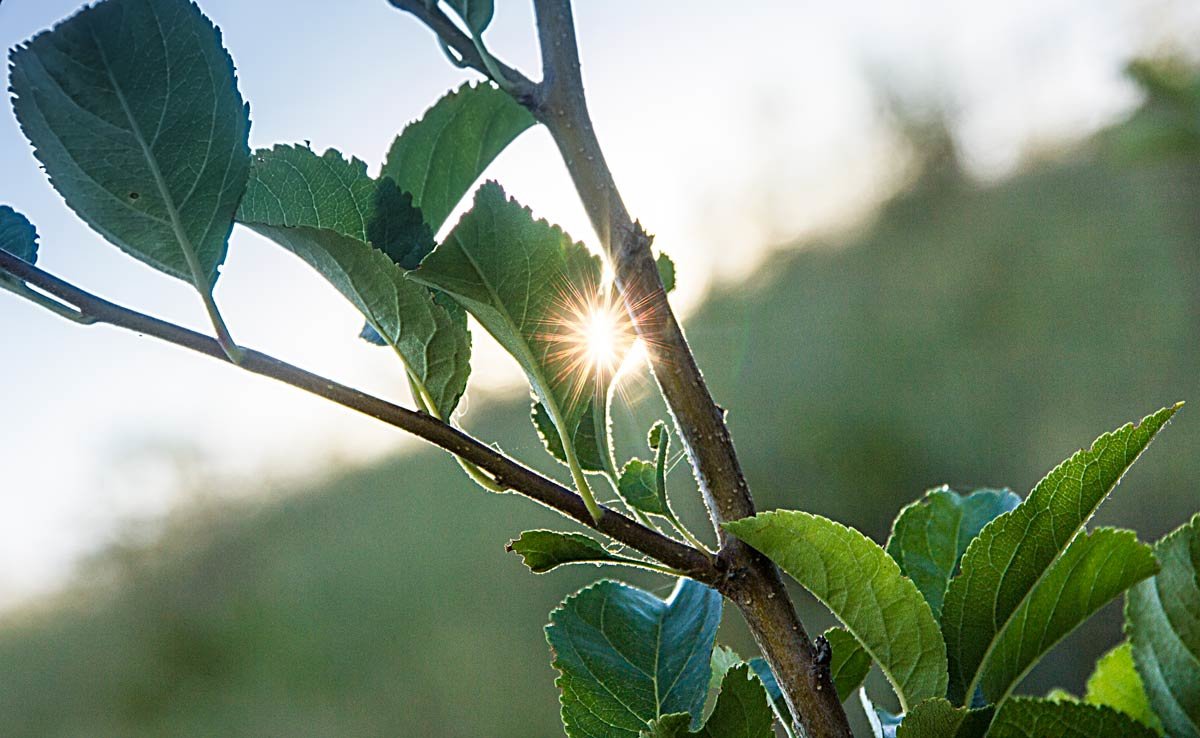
(508, 472)
(754, 583)
(519, 86)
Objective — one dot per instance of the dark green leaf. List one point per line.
(1023, 717)
(741, 712)
(439, 157)
(133, 108)
(1162, 619)
(17, 235)
(626, 657)
(1003, 564)
(1115, 683)
(584, 437)
(850, 663)
(513, 274)
(1094, 569)
(543, 550)
(767, 677)
(639, 487)
(322, 209)
(477, 14)
(937, 718)
(930, 535)
(864, 588)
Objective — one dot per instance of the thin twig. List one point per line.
(506, 471)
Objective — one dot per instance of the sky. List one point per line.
(730, 127)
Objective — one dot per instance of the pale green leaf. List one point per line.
(1115, 683)
(626, 658)
(856, 579)
(17, 235)
(666, 271)
(741, 712)
(1162, 619)
(323, 208)
(1095, 568)
(723, 659)
(587, 447)
(543, 550)
(132, 106)
(930, 535)
(1024, 717)
(1013, 552)
(849, 664)
(937, 718)
(439, 157)
(514, 274)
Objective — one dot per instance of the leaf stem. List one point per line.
(54, 306)
(426, 404)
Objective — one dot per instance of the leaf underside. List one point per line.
(18, 237)
(863, 586)
(1013, 552)
(850, 663)
(1162, 619)
(543, 550)
(626, 658)
(132, 107)
(323, 209)
(587, 447)
(514, 274)
(437, 158)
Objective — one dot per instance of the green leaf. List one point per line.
(1013, 552)
(638, 486)
(132, 106)
(477, 14)
(767, 677)
(930, 535)
(741, 712)
(1115, 683)
(1094, 569)
(937, 718)
(666, 271)
(1162, 619)
(513, 274)
(17, 235)
(626, 657)
(439, 157)
(655, 437)
(864, 588)
(323, 208)
(584, 437)
(1023, 717)
(849, 664)
(543, 550)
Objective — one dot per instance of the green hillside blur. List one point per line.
(971, 334)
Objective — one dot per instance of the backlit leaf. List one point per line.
(18, 237)
(1023, 717)
(437, 158)
(863, 586)
(543, 550)
(586, 446)
(850, 663)
(323, 209)
(514, 275)
(1094, 569)
(626, 658)
(1116, 684)
(1013, 552)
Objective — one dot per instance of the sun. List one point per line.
(591, 335)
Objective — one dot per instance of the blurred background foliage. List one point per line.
(968, 333)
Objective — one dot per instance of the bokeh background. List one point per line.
(918, 242)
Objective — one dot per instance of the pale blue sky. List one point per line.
(696, 101)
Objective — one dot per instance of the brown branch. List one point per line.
(754, 583)
(508, 472)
